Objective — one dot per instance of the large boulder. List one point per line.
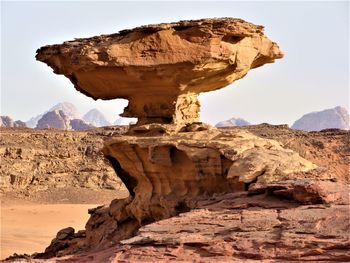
(162, 68)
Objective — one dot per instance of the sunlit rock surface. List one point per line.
(197, 192)
(162, 68)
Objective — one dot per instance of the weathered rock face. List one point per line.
(329, 148)
(161, 68)
(190, 164)
(56, 166)
(242, 226)
(171, 169)
(297, 216)
(54, 119)
(165, 174)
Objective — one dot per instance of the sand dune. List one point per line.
(28, 228)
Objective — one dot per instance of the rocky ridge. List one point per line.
(7, 122)
(336, 118)
(300, 216)
(233, 122)
(56, 119)
(56, 166)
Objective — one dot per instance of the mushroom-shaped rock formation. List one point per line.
(162, 68)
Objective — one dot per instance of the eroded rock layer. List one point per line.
(161, 68)
(54, 166)
(166, 174)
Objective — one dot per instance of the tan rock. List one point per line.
(239, 183)
(56, 166)
(162, 68)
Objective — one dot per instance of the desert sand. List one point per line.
(29, 227)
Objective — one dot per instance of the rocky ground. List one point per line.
(328, 148)
(301, 216)
(54, 166)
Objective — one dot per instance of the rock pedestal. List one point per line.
(169, 162)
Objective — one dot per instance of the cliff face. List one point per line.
(161, 68)
(56, 166)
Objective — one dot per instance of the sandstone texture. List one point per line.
(328, 148)
(54, 166)
(198, 193)
(162, 68)
(337, 118)
(165, 175)
(287, 217)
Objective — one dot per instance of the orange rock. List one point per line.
(162, 68)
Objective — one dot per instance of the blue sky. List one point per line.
(313, 35)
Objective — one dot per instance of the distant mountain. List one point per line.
(80, 125)
(68, 108)
(337, 117)
(232, 123)
(125, 121)
(8, 122)
(33, 121)
(56, 119)
(96, 118)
